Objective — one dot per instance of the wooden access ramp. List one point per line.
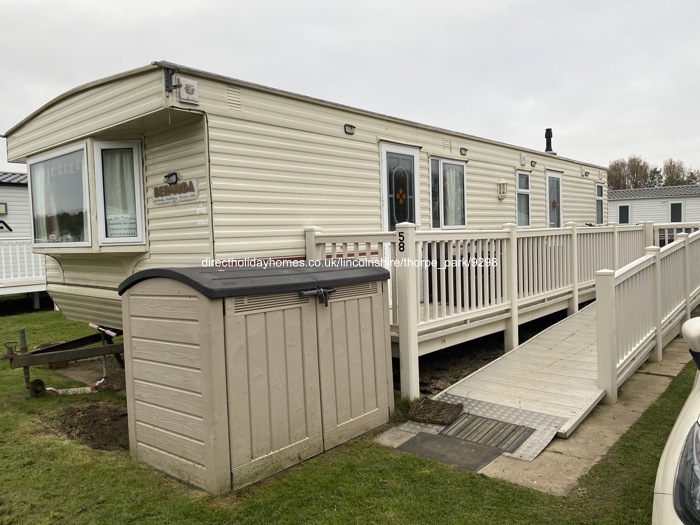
(552, 376)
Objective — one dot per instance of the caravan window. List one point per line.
(119, 193)
(676, 212)
(448, 191)
(599, 192)
(59, 193)
(623, 214)
(523, 203)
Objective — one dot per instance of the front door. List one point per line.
(399, 185)
(554, 200)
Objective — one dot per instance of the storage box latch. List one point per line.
(320, 292)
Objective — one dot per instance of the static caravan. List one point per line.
(20, 270)
(664, 205)
(168, 166)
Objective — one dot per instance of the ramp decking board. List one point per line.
(555, 372)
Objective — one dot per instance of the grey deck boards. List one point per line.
(554, 373)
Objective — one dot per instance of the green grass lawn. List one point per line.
(46, 478)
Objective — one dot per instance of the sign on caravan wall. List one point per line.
(184, 190)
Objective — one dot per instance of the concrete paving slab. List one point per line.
(675, 357)
(641, 390)
(394, 437)
(550, 472)
(589, 442)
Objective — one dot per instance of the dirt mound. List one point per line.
(99, 425)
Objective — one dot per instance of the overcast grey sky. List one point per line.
(612, 78)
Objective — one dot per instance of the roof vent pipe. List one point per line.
(548, 135)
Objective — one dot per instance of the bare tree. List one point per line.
(639, 172)
(676, 174)
(617, 174)
(634, 172)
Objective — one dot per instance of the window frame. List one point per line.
(600, 199)
(53, 154)
(401, 149)
(629, 210)
(139, 200)
(670, 211)
(527, 192)
(441, 193)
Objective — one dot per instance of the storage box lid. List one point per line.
(215, 282)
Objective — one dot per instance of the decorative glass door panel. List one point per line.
(554, 201)
(400, 178)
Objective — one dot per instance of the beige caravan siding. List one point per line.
(487, 165)
(87, 304)
(176, 388)
(86, 112)
(85, 286)
(578, 193)
(280, 164)
(53, 270)
(178, 234)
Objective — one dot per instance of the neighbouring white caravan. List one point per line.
(662, 205)
(21, 271)
(168, 166)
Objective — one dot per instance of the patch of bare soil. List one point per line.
(99, 425)
(441, 369)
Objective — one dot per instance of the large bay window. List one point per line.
(60, 194)
(119, 194)
(60, 198)
(448, 190)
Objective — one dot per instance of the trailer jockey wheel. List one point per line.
(36, 388)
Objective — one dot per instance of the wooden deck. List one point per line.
(554, 373)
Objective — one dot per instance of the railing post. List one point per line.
(649, 234)
(407, 290)
(3, 264)
(313, 250)
(656, 355)
(616, 248)
(605, 320)
(686, 273)
(510, 278)
(573, 266)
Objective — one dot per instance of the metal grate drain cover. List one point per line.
(435, 412)
(490, 432)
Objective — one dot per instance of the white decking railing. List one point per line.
(19, 266)
(451, 286)
(665, 232)
(642, 305)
